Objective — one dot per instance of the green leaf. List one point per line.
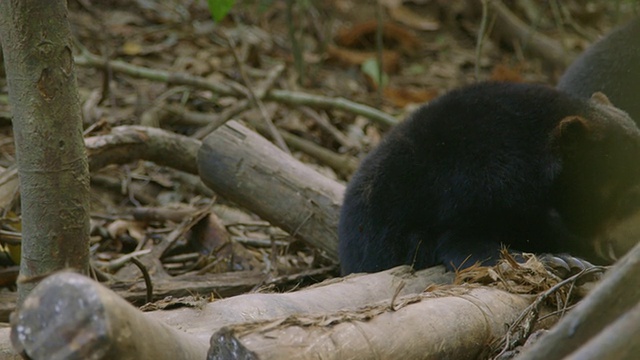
(372, 69)
(220, 8)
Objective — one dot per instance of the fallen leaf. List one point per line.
(408, 17)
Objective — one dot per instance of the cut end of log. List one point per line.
(69, 316)
(58, 319)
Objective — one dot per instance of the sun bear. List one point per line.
(492, 164)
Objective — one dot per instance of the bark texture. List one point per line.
(52, 164)
(244, 167)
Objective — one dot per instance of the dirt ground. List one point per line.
(325, 48)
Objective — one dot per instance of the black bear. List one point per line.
(490, 164)
(611, 66)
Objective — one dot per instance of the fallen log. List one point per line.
(247, 169)
(351, 292)
(244, 167)
(69, 316)
(455, 323)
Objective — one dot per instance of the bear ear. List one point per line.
(601, 98)
(571, 132)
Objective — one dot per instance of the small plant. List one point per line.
(220, 8)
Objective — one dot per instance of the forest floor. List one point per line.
(429, 47)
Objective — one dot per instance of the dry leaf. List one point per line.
(407, 16)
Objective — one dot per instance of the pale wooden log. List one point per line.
(6, 351)
(246, 168)
(196, 324)
(612, 298)
(352, 292)
(69, 316)
(459, 325)
(7, 305)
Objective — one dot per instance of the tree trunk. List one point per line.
(52, 164)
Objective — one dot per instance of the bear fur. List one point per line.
(610, 66)
(492, 164)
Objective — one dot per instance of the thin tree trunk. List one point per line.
(52, 164)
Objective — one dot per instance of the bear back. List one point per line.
(487, 165)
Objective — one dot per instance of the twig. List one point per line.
(343, 164)
(514, 30)
(379, 49)
(227, 114)
(282, 96)
(481, 36)
(328, 127)
(147, 278)
(324, 102)
(219, 120)
(557, 16)
(90, 60)
(570, 21)
(269, 81)
(295, 44)
(120, 261)
(273, 131)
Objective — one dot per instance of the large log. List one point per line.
(351, 292)
(69, 316)
(458, 323)
(246, 168)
